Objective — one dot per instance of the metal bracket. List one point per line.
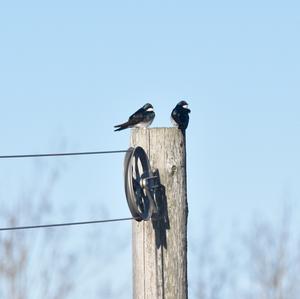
(140, 184)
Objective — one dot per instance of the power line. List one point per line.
(63, 224)
(61, 154)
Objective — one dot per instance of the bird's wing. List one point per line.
(181, 117)
(137, 117)
(176, 115)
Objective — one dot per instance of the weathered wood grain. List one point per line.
(160, 247)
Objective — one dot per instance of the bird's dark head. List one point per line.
(184, 105)
(148, 107)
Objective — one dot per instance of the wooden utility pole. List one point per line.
(160, 246)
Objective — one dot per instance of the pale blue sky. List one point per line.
(70, 70)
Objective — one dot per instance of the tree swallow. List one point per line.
(180, 115)
(142, 118)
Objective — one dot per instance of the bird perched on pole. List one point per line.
(180, 116)
(142, 118)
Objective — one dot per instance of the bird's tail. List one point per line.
(121, 126)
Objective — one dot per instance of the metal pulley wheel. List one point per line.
(139, 184)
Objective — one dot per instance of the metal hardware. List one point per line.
(140, 184)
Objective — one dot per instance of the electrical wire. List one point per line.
(67, 223)
(64, 224)
(61, 154)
